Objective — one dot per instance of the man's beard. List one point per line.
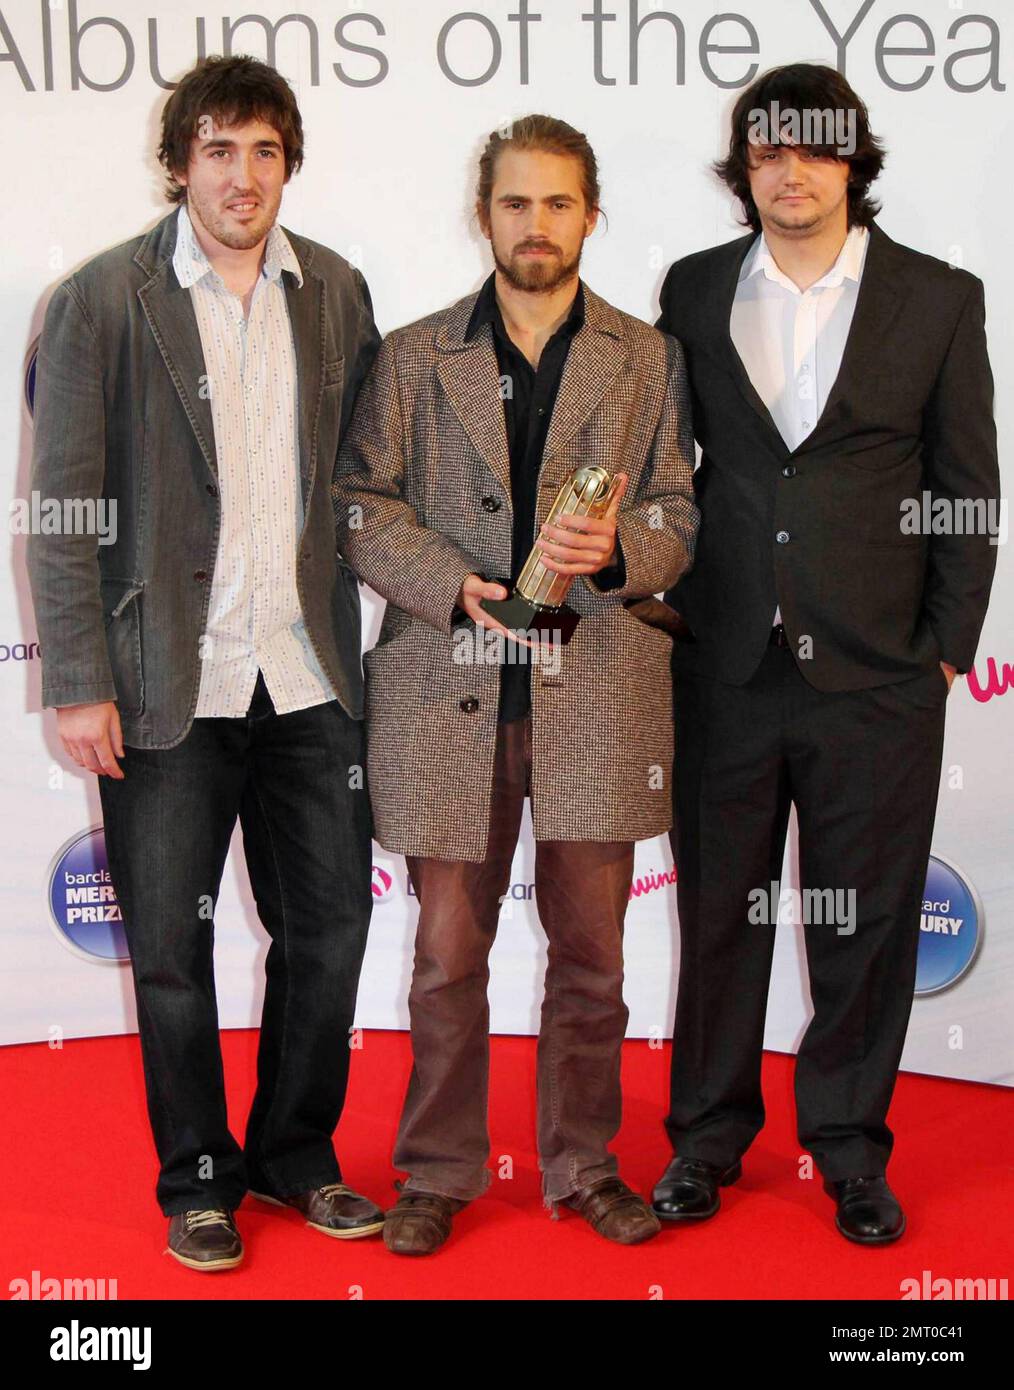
(237, 238)
(785, 225)
(808, 223)
(540, 276)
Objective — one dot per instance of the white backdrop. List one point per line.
(393, 135)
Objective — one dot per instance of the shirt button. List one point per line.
(806, 424)
(782, 538)
(469, 704)
(789, 471)
(491, 504)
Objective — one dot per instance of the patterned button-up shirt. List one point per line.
(254, 616)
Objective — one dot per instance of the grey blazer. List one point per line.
(120, 414)
(422, 494)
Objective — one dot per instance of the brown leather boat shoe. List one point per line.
(334, 1209)
(615, 1212)
(206, 1240)
(419, 1222)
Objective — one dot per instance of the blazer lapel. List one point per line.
(877, 303)
(307, 316)
(469, 375)
(171, 317)
(596, 354)
(725, 348)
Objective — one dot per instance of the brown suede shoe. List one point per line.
(419, 1222)
(334, 1210)
(206, 1240)
(614, 1211)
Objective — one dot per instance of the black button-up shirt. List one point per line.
(529, 396)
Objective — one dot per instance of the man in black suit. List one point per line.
(836, 377)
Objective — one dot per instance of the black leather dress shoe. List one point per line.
(868, 1211)
(688, 1189)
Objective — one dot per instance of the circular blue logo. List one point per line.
(31, 366)
(82, 902)
(951, 928)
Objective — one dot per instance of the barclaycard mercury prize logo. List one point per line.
(82, 903)
(951, 928)
(382, 883)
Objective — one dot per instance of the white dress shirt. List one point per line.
(254, 617)
(791, 341)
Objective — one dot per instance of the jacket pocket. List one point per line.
(334, 372)
(121, 607)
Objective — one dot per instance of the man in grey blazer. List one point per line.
(206, 664)
(466, 427)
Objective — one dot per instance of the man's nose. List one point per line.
(245, 172)
(537, 225)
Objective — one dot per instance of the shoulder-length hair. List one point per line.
(802, 88)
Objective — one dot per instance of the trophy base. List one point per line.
(517, 614)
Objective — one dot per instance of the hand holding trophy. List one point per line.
(537, 608)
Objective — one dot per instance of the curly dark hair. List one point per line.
(231, 91)
(804, 87)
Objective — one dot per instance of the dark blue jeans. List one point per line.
(307, 841)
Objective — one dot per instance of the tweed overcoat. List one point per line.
(423, 499)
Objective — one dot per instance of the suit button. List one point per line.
(307, 554)
(201, 576)
(469, 704)
(491, 504)
(211, 489)
(789, 471)
(782, 537)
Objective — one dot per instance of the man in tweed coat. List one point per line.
(465, 429)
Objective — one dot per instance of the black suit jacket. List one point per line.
(910, 411)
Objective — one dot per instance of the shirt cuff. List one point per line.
(613, 576)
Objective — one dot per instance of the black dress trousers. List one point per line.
(863, 769)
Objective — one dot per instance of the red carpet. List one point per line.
(77, 1184)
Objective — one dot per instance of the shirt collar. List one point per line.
(847, 266)
(191, 264)
(487, 310)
